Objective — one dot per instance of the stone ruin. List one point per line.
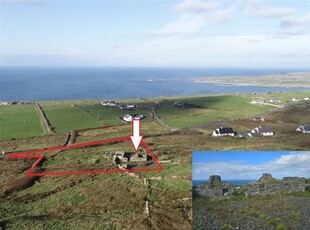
(266, 185)
(128, 160)
(216, 188)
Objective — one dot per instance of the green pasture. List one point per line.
(110, 116)
(213, 108)
(67, 118)
(19, 121)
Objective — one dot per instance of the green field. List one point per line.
(67, 118)
(64, 118)
(110, 116)
(213, 108)
(19, 121)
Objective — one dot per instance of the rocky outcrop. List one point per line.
(266, 185)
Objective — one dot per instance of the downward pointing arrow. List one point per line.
(136, 138)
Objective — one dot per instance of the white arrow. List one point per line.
(136, 138)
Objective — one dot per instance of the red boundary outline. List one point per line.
(30, 155)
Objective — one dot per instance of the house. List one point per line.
(127, 117)
(275, 100)
(306, 99)
(220, 132)
(131, 106)
(121, 107)
(5, 103)
(304, 129)
(178, 103)
(257, 102)
(137, 116)
(261, 131)
(108, 103)
(296, 99)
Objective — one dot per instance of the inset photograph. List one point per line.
(251, 190)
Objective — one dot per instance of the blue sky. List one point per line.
(187, 33)
(233, 165)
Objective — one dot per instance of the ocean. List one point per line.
(28, 84)
(234, 182)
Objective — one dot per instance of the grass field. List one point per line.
(64, 118)
(213, 108)
(110, 116)
(67, 118)
(19, 121)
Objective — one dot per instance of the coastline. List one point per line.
(288, 80)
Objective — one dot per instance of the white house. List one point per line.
(275, 100)
(261, 131)
(257, 102)
(108, 103)
(5, 103)
(127, 118)
(304, 129)
(307, 99)
(296, 99)
(131, 106)
(220, 132)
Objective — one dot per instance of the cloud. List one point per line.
(185, 24)
(196, 6)
(292, 164)
(295, 21)
(259, 9)
(287, 32)
(194, 16)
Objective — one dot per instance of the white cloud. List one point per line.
(185, 24)
(259, 9)
(291, 164)
(296, 21)
(194, 16)
(196, 6)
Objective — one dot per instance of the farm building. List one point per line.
(257, 102)
(261, 131)
(129, 118)
(304, 129)
(275, 100)
(296, 99)
(131, 106)
(108, 103)
(220, 132)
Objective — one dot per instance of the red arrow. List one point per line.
(136, 138)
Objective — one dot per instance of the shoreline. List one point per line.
(250, 84)
(288, 80)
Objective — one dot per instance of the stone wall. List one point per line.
(286, 185)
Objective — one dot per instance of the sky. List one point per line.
(250, 165)
(163, 33)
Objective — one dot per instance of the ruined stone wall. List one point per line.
(266, 185)
(287, 185)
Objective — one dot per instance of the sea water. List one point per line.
(28, 84)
